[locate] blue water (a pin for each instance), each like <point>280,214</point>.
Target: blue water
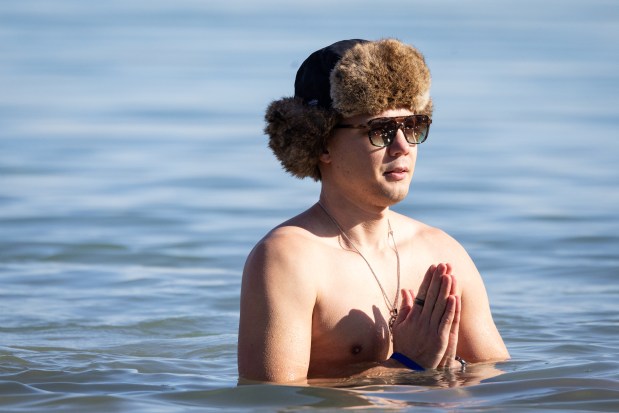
<point>135,178</point>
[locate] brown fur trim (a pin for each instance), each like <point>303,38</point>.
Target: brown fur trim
<point>298,134</point>
<point>376,76</point>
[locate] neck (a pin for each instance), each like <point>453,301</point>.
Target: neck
<point>366,226</point>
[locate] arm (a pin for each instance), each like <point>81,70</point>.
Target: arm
<point>277,302</point>
<point>479,340</point>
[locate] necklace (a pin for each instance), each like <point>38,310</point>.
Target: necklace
<point>393,309</point>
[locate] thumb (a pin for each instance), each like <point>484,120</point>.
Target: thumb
<point>405,307</point>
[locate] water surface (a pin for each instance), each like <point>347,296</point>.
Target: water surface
<point>135,178</point>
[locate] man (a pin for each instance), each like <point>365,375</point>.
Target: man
<point>350,287</point>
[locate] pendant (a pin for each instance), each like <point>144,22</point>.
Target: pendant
<point>393,315</point>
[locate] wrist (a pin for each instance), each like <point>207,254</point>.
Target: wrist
<point>406,361</point>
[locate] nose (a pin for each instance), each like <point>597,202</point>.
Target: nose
<point>400,145</point>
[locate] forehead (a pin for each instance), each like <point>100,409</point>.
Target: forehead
<point>360,119</point>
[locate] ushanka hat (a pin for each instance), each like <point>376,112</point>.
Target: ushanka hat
<point>347,78</point>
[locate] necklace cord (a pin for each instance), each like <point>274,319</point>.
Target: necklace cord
<point>393,309</point>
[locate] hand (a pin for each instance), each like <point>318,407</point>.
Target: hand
<point>427,331</point>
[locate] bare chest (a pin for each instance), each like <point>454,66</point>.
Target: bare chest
<point>350,319</point>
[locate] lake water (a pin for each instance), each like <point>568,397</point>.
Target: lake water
<point>135,178</point>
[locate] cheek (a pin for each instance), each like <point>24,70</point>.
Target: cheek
<point>351,160</point>
<point>348,167</point>
<point>413,155</point>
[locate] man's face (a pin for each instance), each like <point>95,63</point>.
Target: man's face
<point>378,175</point>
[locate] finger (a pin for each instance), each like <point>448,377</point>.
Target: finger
<point>455,327</point>
<point>447,320</point>
<point>448,268</point>
<point>433,292</point>
<point>405,307</point>
<point>454,285</point>
<point>452,347</point>
<point>448,271</point>
<point>456,323</point>
<point>441,301</point>
<point>444,332</point>
<point>425,284</point>
<point>423,290</point>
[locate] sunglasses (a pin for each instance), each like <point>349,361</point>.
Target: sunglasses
<point>382,131</point>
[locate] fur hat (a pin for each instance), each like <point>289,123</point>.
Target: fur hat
<point>347,78</point>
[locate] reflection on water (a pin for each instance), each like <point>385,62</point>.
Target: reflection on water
<point>134,179</point>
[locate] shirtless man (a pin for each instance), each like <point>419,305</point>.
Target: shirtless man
<point>321,291</point>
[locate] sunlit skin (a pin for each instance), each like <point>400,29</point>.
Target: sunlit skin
<point>310,306</point>
<point>381,176</point>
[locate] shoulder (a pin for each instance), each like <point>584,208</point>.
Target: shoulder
<point>284,259</point>
<point>431,245</point>
<point>287,244</point>
<point>425,236</point>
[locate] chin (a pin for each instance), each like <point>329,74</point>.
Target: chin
<point>395,196</point>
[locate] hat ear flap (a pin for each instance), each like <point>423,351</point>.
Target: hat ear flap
<point>298,134</point>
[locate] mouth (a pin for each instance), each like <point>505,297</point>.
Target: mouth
<point>397,170</point>
<point>397,173</point>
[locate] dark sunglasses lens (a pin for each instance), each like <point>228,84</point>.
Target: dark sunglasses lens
<point>382,132</point>
<point>416,129</point>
